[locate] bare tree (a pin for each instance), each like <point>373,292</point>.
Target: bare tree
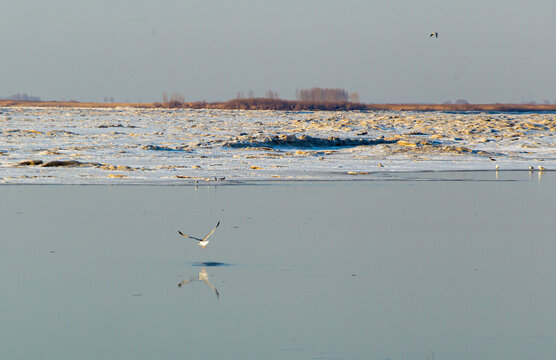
<point>176,97</point>
<point>24,97</point>
<point>176,100</point>
<point>272,95</point>
<point>354,97</point>
<point>321,95</point>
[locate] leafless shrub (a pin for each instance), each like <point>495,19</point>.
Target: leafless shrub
<point>23,97</point>
<point>272,95</point>
<point>176,100</point>
<point>354,97</point>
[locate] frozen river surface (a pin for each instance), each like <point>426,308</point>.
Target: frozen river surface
<point>161,146</point>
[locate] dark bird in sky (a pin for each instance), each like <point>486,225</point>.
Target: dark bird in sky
<point>434,34</point>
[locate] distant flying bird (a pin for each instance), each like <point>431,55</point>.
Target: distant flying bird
<point>434,34</point>
<point>204,241</point>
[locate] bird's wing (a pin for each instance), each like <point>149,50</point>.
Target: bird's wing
<point>191,237</point>
<point>211,232</point>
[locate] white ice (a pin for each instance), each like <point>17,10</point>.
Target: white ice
<point>161,146</point>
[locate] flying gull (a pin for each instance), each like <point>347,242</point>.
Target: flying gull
<point>434,34</point>
<point>204,241</point>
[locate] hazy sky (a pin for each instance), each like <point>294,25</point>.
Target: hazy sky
<point>487,51</point>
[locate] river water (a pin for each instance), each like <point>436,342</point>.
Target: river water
<point>455,265</point>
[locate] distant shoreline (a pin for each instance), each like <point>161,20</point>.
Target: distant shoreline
<point>291,105</point>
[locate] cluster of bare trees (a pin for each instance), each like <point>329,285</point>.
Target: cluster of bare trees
<point>175,99</point>
<point>320,95</point>
<point>272,95</point>
<point>23,97</point>
<point>315,95</point>
<point>280,104</point>
<point>307,99</point>
<point>251,95</point>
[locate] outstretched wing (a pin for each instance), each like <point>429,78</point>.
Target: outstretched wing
<point>211,232</point>
<point>191,237</point>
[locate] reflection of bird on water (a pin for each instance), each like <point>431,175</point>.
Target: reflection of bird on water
<point>204,241</point>
<point>203,276</point>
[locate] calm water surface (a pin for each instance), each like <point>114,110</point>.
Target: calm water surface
<point>442,266</point>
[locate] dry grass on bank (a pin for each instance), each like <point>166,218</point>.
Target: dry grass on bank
<point>73,104</point>
<point>464,107</point>
<point>291,105</point>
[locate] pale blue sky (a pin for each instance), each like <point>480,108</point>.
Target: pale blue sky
<point>487,51</point>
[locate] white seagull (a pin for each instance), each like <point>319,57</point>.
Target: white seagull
<point>204,241</point>
<point>434,34</point>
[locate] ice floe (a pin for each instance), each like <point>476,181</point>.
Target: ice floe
<point>159,146</point>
